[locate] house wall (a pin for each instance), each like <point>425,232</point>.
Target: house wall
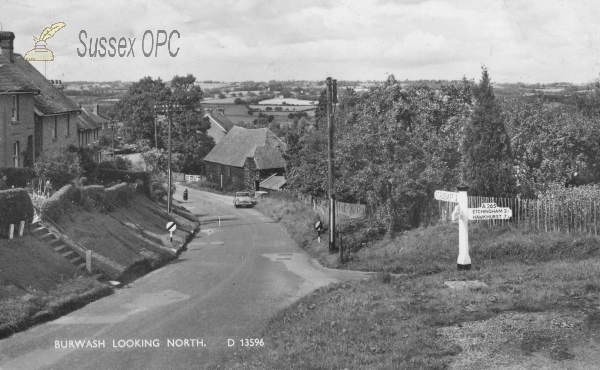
<point>10,131</point>
<point>86,137</point>
<point>62,140</point>
<point>232,176</point>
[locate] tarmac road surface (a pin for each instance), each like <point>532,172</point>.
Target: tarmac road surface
<point>223,289</point>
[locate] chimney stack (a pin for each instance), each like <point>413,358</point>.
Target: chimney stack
<point>58,85</point>
<point>6,44</point>
<point>96,109</point>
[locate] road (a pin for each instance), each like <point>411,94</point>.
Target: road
<point>226,286</point>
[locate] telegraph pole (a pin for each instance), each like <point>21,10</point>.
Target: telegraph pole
<point>168,109</point>
<point>331,101</point>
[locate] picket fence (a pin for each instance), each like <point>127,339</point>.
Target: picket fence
<point>178,176</point>
<point>560,215</point>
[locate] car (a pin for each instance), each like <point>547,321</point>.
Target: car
<point>242,199</point>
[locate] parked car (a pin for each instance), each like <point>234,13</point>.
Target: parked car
<point>242,199</point>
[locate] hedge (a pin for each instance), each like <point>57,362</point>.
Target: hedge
<point>15,206</point>
<point>118,194</point>
<point>19,177</point>
<point>58,202</point>
<point>108,176</point>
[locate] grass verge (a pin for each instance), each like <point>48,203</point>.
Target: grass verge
<point>394,321</point>
<point>19,313</point>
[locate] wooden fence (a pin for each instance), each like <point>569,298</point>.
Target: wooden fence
<point>179,176</point>
<point>561,215</point>
<point>346,209</point>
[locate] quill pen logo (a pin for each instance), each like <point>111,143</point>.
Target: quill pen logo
<point>40,53</point>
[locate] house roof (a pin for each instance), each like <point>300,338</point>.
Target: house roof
<point>95,117</point>
<point>273,182</point>
<point>240,143</point>
<point>21,76</point>
<point>85,121</point>
<point>221,120</point>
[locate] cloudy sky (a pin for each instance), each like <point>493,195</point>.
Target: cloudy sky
<point>234,40</point>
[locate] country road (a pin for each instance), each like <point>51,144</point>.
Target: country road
<point>226,286</point>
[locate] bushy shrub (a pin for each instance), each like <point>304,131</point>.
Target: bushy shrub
<point>92,197</point>
<point>15,206</point>
<point>107,165</point>
<point>119,194</point>
<point>17,177</point>
<point>122,163</point>
<point>58,203</point>
<point>59,168</point>
<point>109,177</point>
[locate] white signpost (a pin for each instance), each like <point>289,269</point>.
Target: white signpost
<point>489,211</point>
<point>462,213</point>
<point>171,226</point>
<point>446,196</point>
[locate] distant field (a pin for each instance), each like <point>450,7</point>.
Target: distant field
<point>290,101</point>
<point>228,100</point>
<point>291,108</point>
<point>212,86</point>
<point>551,90</point>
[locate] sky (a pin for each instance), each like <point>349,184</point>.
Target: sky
<point>224,40</point>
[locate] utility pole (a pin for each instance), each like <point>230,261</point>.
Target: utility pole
<point>155,133</point>
<point>112,126</point>
<point>168,109</point>
<point>331,101</point>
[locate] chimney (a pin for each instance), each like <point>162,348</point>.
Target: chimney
<point>221,109</point>
<point>58,85</point>
<point>96,109</point>
<point>6,44</point>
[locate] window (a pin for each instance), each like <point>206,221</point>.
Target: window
<point>55,129</point>
<point>15,107</point>
<point>68,125</point>
<point>16,151</point>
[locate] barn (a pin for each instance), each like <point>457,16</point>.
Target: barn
<point>245,157</point>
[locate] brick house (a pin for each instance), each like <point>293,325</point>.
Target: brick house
<point>88,132</point>
<point>245,157</point>
<point>35,116</point>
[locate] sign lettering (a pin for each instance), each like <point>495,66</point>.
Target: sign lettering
<point>446,196</point>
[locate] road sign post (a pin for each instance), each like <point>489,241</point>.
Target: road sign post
<point>171,226</point>
<point>464,260</point>
<point>462,213</point>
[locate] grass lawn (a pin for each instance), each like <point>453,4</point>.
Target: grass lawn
<point>400,319</point>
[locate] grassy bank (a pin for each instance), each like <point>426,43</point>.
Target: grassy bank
<point>403,321</point>
<point>21,312</point>
<point>37,284</point>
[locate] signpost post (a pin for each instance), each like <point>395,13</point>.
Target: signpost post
<point>462,213</point>
<point>319,228</point>
<point>464,261</point>
<point>171,226</point>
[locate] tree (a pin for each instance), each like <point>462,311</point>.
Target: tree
<point>487,158</point>
<point>189,138</point>
<point>59,168</point>
<point>222,96</point>
<point>136,108</point>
